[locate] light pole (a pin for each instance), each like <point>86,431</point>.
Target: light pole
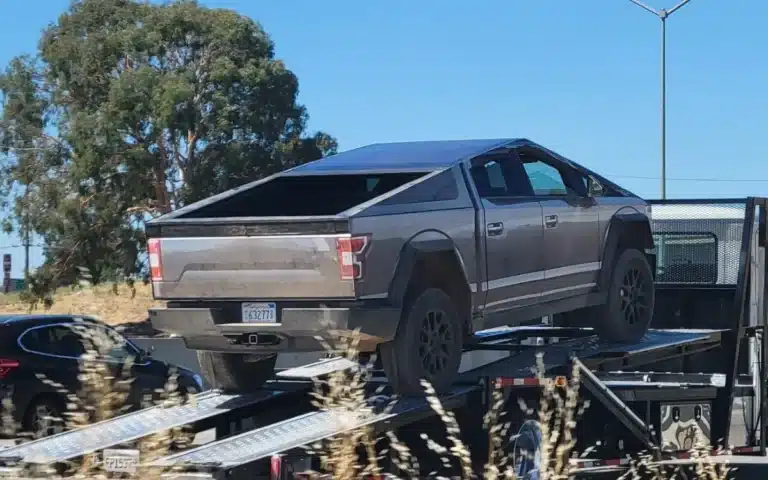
<point>663,14</point>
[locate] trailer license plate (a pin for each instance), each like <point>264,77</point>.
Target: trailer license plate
<point>259,313</point>
<point>125,461</point>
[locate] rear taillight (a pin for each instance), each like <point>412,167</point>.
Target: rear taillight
<point>351,252</point>
<point>155,259</point>
<point>7,366</point>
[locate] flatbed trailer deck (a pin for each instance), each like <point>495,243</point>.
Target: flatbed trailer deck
<point>638,403</point>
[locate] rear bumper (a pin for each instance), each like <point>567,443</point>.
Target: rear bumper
<point>300,329</point>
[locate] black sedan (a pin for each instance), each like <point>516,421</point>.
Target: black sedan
<point>41,358</point>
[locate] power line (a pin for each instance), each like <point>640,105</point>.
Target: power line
<point>694,179</point>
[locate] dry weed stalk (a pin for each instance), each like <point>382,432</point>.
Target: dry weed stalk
<point>458,449</point>
<point>705,465</point>
<point>343,396</point>
<point>160,444</point>
<point>498,460</point>
<point>103,394</point>
<point>557,418</point>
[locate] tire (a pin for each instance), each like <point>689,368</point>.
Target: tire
<point>625,319</point>
<point>433,314</point>
<point>236,373</point>
<point>45,416</point>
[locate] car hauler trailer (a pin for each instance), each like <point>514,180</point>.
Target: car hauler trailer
<point>705,350</point>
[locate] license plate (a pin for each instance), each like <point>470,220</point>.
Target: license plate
<point>259,313</point>
<point>123,461</point>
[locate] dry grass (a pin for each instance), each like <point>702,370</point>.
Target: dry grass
<point>358,452</point>
<point>354,454</point>
<point>113,304</point>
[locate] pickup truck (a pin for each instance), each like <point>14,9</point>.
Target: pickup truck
<point>411,247</point>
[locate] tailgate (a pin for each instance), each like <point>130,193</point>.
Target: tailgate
<point>268,267</point>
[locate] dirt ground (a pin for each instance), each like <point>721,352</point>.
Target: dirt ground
<point>101,302</point>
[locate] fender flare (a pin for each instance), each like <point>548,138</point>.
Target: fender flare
<point>630,228</point>
<point>436,242</point>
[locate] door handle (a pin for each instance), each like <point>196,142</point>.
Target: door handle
<point>495,228</point>
<point>550,221</point>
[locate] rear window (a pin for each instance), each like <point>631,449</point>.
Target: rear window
<point>305,196</point>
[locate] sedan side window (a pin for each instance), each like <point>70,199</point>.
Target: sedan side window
<point>73,340</point>
<point>108,343</point>
<point>57,340</point>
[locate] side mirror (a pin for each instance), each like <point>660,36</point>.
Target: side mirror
<point>594,188</point>
<point>143,355</point>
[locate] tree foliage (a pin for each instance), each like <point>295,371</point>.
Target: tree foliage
<point>132,109</point>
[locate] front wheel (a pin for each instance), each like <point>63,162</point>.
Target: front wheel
<point>237,373</point>
<point>45,416</point>
<point>627,313</point>
<point>428,345</point>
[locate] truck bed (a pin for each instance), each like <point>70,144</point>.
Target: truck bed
<point>283,238</point>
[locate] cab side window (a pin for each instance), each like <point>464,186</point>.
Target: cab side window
<point>548,180</point>
<point>501,176</point>
<point>545,179</point>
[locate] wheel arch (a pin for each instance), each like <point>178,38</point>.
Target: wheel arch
<point>627,229</point>
<point>431,259</point>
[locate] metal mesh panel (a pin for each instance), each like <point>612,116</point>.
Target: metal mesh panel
<point>698,243</point>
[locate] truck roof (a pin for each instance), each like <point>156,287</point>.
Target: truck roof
<point>402,156</point>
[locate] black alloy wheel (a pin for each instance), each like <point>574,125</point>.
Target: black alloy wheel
<point>634,296</point>
<point>435,342</point>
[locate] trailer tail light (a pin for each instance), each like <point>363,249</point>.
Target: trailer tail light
<point>276,467</point>
<point>7,366</point>
<point>155,259</point>
<point>351,252</point>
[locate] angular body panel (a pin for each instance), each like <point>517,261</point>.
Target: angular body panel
<point>510,230</point>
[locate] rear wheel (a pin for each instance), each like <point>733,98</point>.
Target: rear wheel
<point>428,345</point>
<point>232,372</point>
<point>627,313</point>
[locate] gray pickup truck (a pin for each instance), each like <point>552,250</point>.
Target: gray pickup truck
<point>412,245</point>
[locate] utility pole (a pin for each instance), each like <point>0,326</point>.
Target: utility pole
<point>26,240</point>
<point>663,14</point>
<point>26,254</point>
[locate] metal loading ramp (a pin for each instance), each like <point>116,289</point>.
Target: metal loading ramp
<point>127,428</point>
<point>308,428</point>
<point>656,344</point>
<point>301,431</point>
<point>241,450</point>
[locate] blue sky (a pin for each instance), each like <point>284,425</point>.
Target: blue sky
<point>581,77</point>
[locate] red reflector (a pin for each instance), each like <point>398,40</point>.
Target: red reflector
<point>6,365</point>
<point>155,259</point>
<point>276,467</point>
